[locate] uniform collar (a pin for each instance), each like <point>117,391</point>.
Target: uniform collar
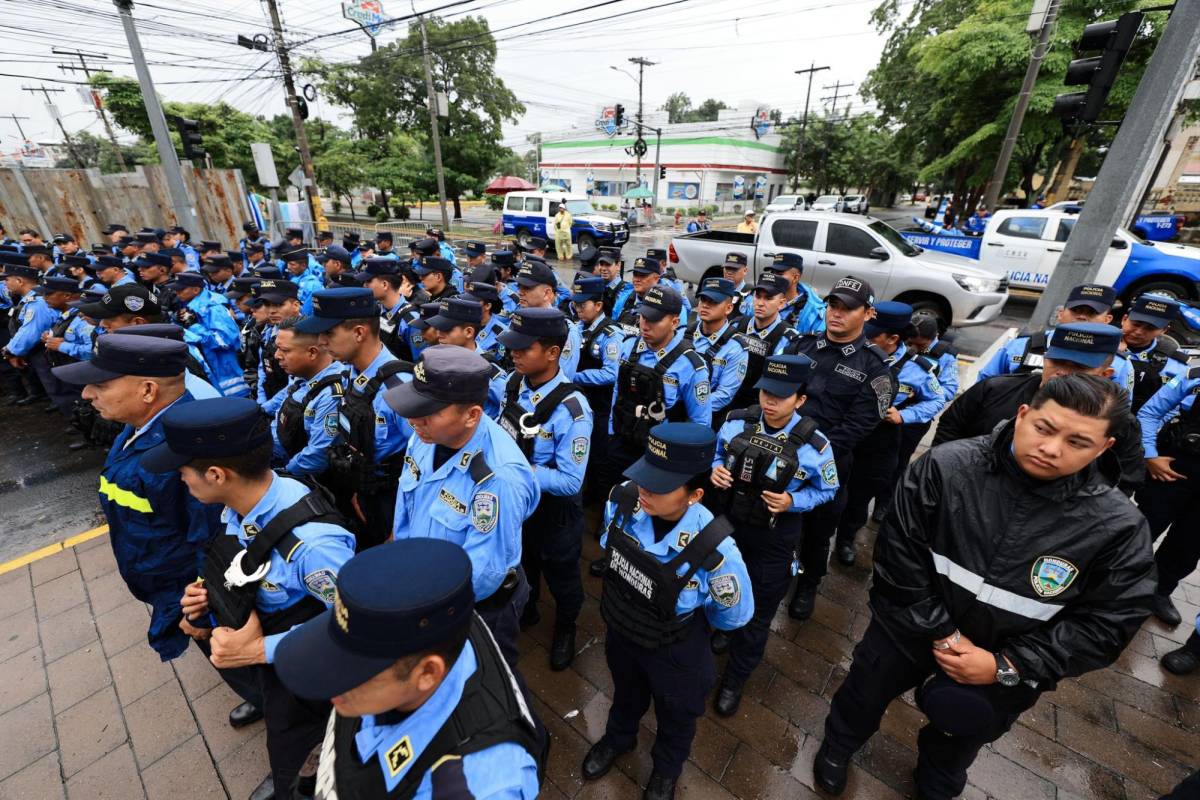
<point>782,433</point>
<point>598,321</point>
<point>676,338</point>
<point>1142,355</point>
<point>414,733</point>
<point>700,334</point>
<point>334,366</point>
<point>382,358</point>
<point>753,330</point>
<point>255,519</point>
<point>461,461</point>
<point>684,531</point>
<point>151,433</point>
<point>546,388</point>
<point>896,356</point>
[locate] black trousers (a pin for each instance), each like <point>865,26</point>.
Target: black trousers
<point>677,677</point>
<point>879,673</point>
<point>1188,789</point>
<point>594,488</point>
<point>874,466</point>
<point>768,554</point>
<point>910,437</point>
<point>294,727</point>
<point>379,509</point>
<point>244,681</point>
<point>63,395</point>
<point>504,618</point>
<point>551,543</point>
<point>819,527</point>
<point>618,457</point>
<point>1175,506</point>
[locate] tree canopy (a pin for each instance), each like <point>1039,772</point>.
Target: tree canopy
<point>679,109</point>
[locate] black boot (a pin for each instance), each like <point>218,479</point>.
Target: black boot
<point>265,790</point>
<point>562,649</point>
<point>845,552</point>
<point>659,788</point>
<point>829,773</point>
<point>599,759</point>
<point>720,642</point>
<point>1165,610</point>
<point>244,714</point>
<point>728,698</point>
<point>803,602</point>
<point>1184,660</point>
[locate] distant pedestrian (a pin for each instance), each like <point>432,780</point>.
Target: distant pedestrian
<point>748,225</point>
<point>950,216</point>
<point>700,223</point>
<point>562,233</point>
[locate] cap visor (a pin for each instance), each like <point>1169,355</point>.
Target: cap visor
<point>650,313</point>
<point>777,387</point>
<point>363,277</point>
<point>716,297</point>
<point>528,283</point>
<point>161,458</point>
<point>1092,360</point>
<point>579,298</point>
<point>655,479</point>
<point>848,300</point>
<point>445,324</point>
<point>98,310</point>
<point>515,340</point>
<point>1157,322</point>
<point>406,401</point>
<point>81,373</point>
<point>316,324</point>
<point>871,330</point>
<point>235,294</point>
<point>274,297</point>
<point>314,665</point>
<point>1095,305</point>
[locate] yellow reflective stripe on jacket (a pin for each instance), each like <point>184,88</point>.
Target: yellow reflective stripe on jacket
<point>124,497</point>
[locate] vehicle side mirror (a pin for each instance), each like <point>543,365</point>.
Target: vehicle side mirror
<point>879,254</point>
<point>1119,244</point>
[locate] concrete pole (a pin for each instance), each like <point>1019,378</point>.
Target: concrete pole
<point>433,127</point>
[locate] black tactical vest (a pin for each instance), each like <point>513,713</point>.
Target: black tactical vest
<point>1034,356</point>
<point>525,426</point>
<point>492,711</point>
<point>758,349</point>
<point>751,457</point>
<point>1147,374</point>
<point>274,378</point>
<point>641,395</point>
<point>353,456</point>
<point>58,331</point>
<point>390,333</point>
<point>611,293</point>
<point>640,592</point>
<point>251,336</point>
<point>289,424</point>
<point>590,356</point>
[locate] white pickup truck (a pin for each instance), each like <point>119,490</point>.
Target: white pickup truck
<point>832,246</point>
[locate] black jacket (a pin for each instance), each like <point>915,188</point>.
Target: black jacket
<point>962,547</point>
<point>977,412</point>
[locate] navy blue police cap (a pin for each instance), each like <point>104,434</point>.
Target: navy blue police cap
<point>783,376</point>
<point>435,264</point>
<point>37,249</point>
<point>735,260</point>
<point>118,355</point>
<point>251,247</point>
<point>333,306</point>
<point>20,271</point>
<point>483,291</point>
<point>389,604</point>
<point>425,247</point>
<point>217,263</point>
<point>609,255</point>
<point>275,291</point>
<point>1092,295</point>
<point>185,280</point>
<point>657,252</point>
<point>427,311</point>
<point>335,253</point>
<point>475,249</point>
<point>772,283</point>
<point>852,292</point>
<point>217,427</point>
<point>62,283</point>
<point>178,229</point>
<point>957,709</point>
<point>127,241</point>
<point>155,330</point>
<point>175,252</point>
<point>659,302</point>
<point>249,226</point>
<point>533,258</point>
<point>92,294</point>
<point>383,236</point>
<point>1087,343</point>
<point>366,247</point>
<point>785,261</point>
<point>675,453</point>
<point>527,325</point>
<point>435,233</point>
<point>588,289</point>
<point>536,273</point>
<point>503,258</point>
<point>108,262</point>
<point>484,273</point>
<point>890,317</point>
<point>588,256</point>
<point>456,311</point>
<point>717,289</point>
<point>147,237</point>
<point>232,255</point>
<point>13,257</point>
<point>647,266</point>
<point>128,298</point>
<point>76,261</point>
<point>208,247</point>
<point>375,265</point>
<point>245,284</point>
<point>269,272</point>
<point>296,254</point>
<point>113,227</point>
<point>293,233</point>
<point>346,279</point>
<point>1154,309</point>
<point>537,243</point>
<point>61,238</point>
<point>444,375</point>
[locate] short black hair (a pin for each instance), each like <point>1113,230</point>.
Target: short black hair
<point>28,232</point>
<point>392,279</point>
<point>370,323</point>
<point>700,481</point>
<point>449,649</point>
<point>253,463</point>
<point>150,318</point>
<point>290,324</point>
<point>553,341</point>
<point>1089,395</point>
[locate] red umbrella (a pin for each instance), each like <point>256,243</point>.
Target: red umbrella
<point>508,183</point>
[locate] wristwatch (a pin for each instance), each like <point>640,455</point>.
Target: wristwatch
<point>1005,674</point>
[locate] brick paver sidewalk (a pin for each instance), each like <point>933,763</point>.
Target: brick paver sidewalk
<point>88,711</point>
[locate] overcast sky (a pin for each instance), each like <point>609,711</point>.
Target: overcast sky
<point>729,50</point>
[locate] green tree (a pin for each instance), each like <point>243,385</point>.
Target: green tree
<point>679,109</point>
<point>341,168</point>
<point>97,151</point>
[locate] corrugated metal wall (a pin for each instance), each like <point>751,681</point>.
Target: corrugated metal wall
<point>83,202</point>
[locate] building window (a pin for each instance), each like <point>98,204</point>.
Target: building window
<point>724,191</point>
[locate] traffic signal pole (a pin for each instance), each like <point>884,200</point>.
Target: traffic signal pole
<point>1131,159</point>
<point>185,214</point>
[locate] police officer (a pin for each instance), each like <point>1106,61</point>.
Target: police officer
<point>538,288</point>
<point>420,334</point>
<point>255,257</point>
<point>1170,424</point>
<point>208,325</point>
<point>111,271</point>
<point>436,277</point>
<point>723,348</point>
<point>368,454</point>
<point>599,358</point>
<point>466,481</point>
<point>31,317</point>
<point>296,261</point>
<point>550,420</point>
<point>279,300</point>
<point>671,568</point>
<point>804,311</point>
<point>66,340</point>
<point>763,332</point>
<point>158,532</point>
<point>734,270</point>
<point>1087,347</point>
<point>1005,567</point>
<point>424,704</point>
<point>306,412</point>
<point>456,322</point>
<point>381,277</point>
<point>491,324</point>
<point>849,393</point>
<point>917,398</point>
<point>618,292</point>
<point>335,261</point>
<point>771,466</point>
<point>384,243</point>
<point>274,565</point>
<point>195,378</point>
<point>1155,359</point>
<point>219,272</point>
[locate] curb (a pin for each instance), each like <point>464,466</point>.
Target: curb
<point>51,549</point>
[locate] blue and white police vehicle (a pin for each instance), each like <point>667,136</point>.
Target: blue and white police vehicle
<point>529,214</point>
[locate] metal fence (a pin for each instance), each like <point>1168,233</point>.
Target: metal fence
<point>83,202</point>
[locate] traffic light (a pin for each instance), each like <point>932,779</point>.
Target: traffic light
<point>189,136</point>
<point>619,117</point>
<point>662,173</point>
<point>1113,38</point>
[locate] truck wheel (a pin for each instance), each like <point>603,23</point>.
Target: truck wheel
<point>1176,290</point>
<point>523,238</point>
<point>586,240</point>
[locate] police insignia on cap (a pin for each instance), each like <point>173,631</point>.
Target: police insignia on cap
<point>1051,576</point>
<point>419,372</point>
<point>1079,337</point>
<point>848,283</point>
<point>656,447</point>
<point>340,614</point>
<point>640,262</point>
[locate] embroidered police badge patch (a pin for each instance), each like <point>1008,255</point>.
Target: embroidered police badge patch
<point>399,755</point>
<point>702,392</point>
<point>725,590</point>
<point>1051,576</point>
<point>331,423</point>
<point>829,473</point>
<point>579,449</point>
<point>485,511</point>
<point>322,584</point>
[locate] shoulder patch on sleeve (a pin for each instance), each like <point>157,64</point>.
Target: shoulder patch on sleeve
<point>485,511</point>
<point>322,584</point>
<point>725,590</point>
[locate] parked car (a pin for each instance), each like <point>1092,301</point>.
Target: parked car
<point>955,290</point>
<point>855,204</point>
<point>827,202</point>
<point>785,202</point>
<point>529,214</point>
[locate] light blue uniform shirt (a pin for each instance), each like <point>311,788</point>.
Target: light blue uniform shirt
<point>1170,368</point>
<point>606,348</point>
<point>320,423</point>
<point>486,341</point>
<point>483,517</point>
<point>947,371</point>
<point>200,388</point>
<point>727,365</point>
<point>810,318</point>
<point>77,338</point>
<point>36,318</point>
<point>312,568</point>
<point>392,431</point>
<point>816,480</point>
<point>1175,397</point>
<point>919,396</point>
<point>681,383</point>
<point>727,609</point>
<point>568,362</point>
<point>500,772</point>
<point>560,451</point>
<point>307,283</point>
<point>1008,359</point>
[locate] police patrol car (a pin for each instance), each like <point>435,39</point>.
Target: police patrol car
<point>529,214</point>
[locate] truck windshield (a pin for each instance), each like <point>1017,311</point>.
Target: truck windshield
<point>577,207</point>
<point>893,237</point>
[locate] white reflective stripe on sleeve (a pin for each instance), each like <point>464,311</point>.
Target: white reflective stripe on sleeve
<point>993,595</point>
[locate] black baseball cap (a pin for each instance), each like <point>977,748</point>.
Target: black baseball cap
<point>852,291</point>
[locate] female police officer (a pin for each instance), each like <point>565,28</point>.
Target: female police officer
<point>668,559</point>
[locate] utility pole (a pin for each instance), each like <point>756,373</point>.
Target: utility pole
<point>642,63</point>
<point>185,215</point>
<point>87,72</point>
<point>433,125</point>
<point>1130,162</point>
<point>813,68</point>
<point>992,196</point>
<point>17,121</point>
<point>289,85</point>
<point>837,94</point>
<point>53,109</point>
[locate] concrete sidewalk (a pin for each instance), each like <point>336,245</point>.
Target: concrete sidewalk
<point>87,710</point>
